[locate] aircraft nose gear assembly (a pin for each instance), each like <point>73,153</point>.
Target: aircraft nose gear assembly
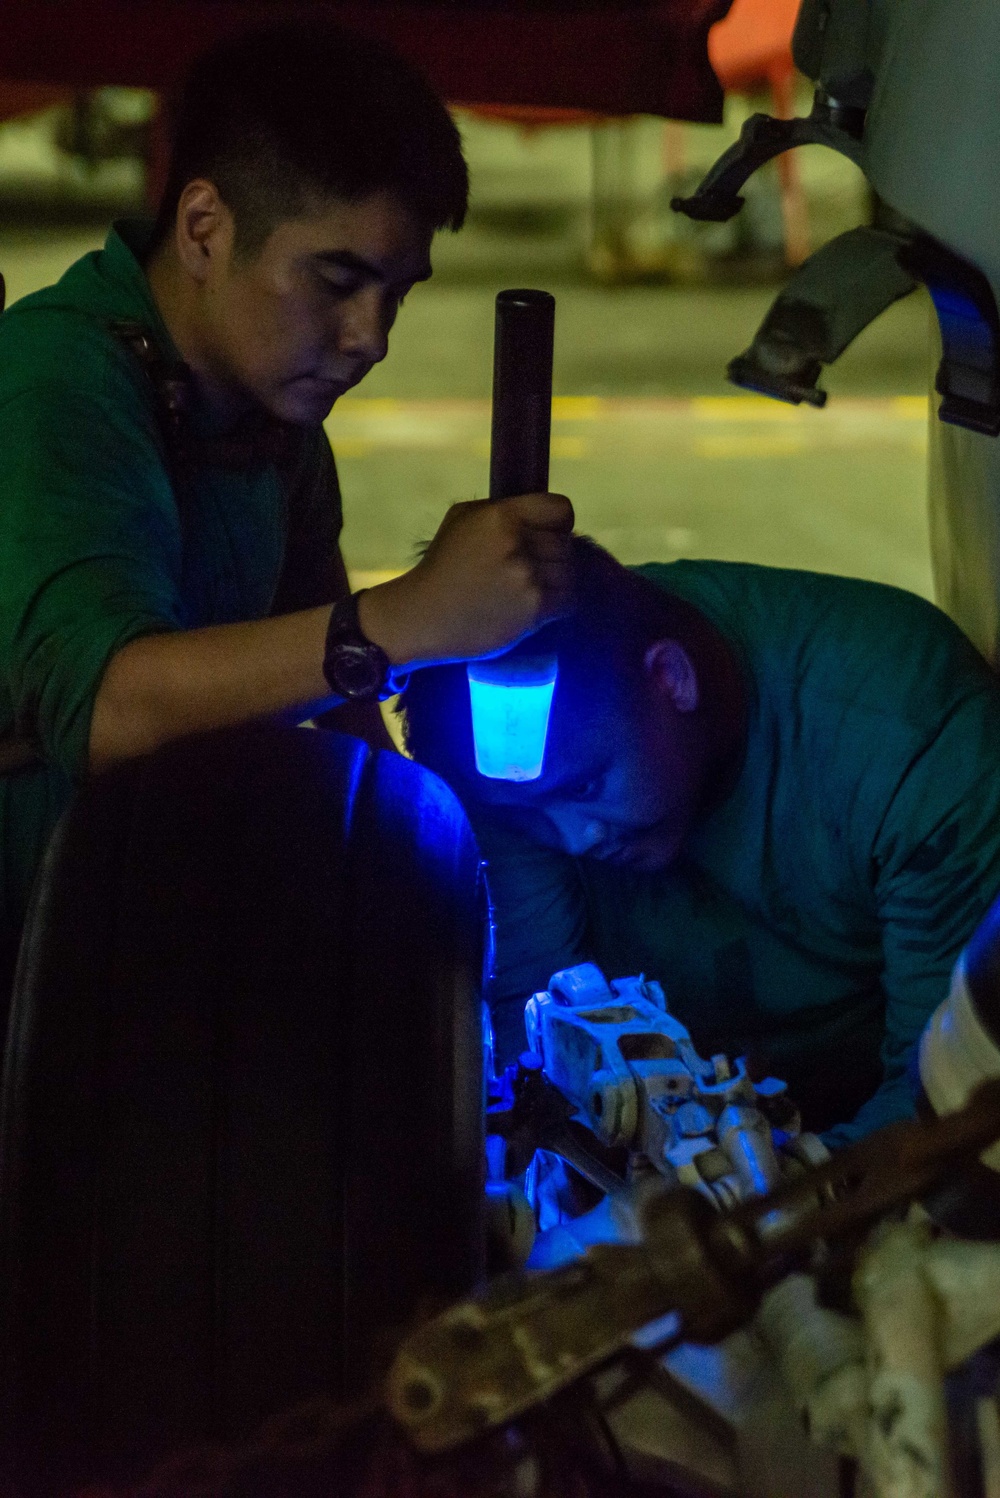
<point>753,1316</point>
<point>612,1082</point>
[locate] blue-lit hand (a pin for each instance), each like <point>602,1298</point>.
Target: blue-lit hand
<point>495,571</point>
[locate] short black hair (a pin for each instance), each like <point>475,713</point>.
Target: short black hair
<point>601,646</point>
<point>281,117</point>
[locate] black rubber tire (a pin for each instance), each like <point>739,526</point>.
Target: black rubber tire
<point>241,1121</point>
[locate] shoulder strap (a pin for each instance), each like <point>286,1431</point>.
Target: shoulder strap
<point>267,441</point>
<point>170,380</point>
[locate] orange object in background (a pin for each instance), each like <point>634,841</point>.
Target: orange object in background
<point>750,49</point>
<point>753,42</point>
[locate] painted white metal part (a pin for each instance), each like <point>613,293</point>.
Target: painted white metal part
<point>957,1053</point>
<point>631,1070</point>
<point>931,141</point>
<point>907,1418</point>
<point>719,1421</point>
<point>821,1357</point>
<point>869,1386</point>
<point>716,1420</point>
<point>872,1387</point>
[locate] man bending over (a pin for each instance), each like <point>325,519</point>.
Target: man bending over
<point>776,792</point>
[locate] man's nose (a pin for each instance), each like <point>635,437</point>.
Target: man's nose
<point>577,833</point>
<point>363,326</point>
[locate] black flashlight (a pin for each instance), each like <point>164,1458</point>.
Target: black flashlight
<point>522,393</point>
<point>511,695</point>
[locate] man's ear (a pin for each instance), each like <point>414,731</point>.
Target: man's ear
<point>204,229</point>
<point>671,672</point>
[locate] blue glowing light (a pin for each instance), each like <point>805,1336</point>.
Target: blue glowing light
<point>511,701</point>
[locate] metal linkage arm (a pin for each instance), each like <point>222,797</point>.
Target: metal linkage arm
<point>487,1360</point>
<point>761,139</point>
<point>835,294</point>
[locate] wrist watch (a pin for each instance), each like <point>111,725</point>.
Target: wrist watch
<point>354,666</point>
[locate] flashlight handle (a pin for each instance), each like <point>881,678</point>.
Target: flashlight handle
<point>522,393</point>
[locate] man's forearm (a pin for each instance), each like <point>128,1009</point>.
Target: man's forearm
<point>165,686</point>
<point>494,572</point>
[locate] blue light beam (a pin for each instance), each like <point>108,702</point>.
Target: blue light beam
<point>511,702</point>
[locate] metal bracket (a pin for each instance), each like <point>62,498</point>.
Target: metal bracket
<point>761,139</point>
<point>844,286</point>
<point>836,293</point>
<point>522,1339</point>
<point>968,377</point>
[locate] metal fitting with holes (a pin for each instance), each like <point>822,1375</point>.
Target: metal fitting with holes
<point>630,1070</point>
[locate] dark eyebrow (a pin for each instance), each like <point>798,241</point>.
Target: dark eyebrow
<point>347,260</point>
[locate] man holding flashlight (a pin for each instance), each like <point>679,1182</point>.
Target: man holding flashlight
<point>777,793</point>
<point>170,519</point>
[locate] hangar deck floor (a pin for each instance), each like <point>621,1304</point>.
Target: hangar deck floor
<point>655,478</point>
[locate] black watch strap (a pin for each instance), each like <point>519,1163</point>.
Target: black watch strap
<point>354,666</point>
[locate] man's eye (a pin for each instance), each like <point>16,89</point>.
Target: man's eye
<point>338,288</point>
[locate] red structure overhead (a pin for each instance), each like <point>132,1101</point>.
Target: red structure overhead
<point>629,57</point>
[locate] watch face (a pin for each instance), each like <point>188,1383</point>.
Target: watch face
<point>356,669</point>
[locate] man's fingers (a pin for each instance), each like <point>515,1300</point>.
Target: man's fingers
<point>555,585</point>
<point>546,546</point>
<point>495,571</point>
<point>545,511</point>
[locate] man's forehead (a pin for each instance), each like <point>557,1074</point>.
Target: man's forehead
<point>377,235</point>
<point>414,266</point>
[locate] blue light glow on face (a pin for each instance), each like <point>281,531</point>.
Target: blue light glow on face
<point>511,702</point>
